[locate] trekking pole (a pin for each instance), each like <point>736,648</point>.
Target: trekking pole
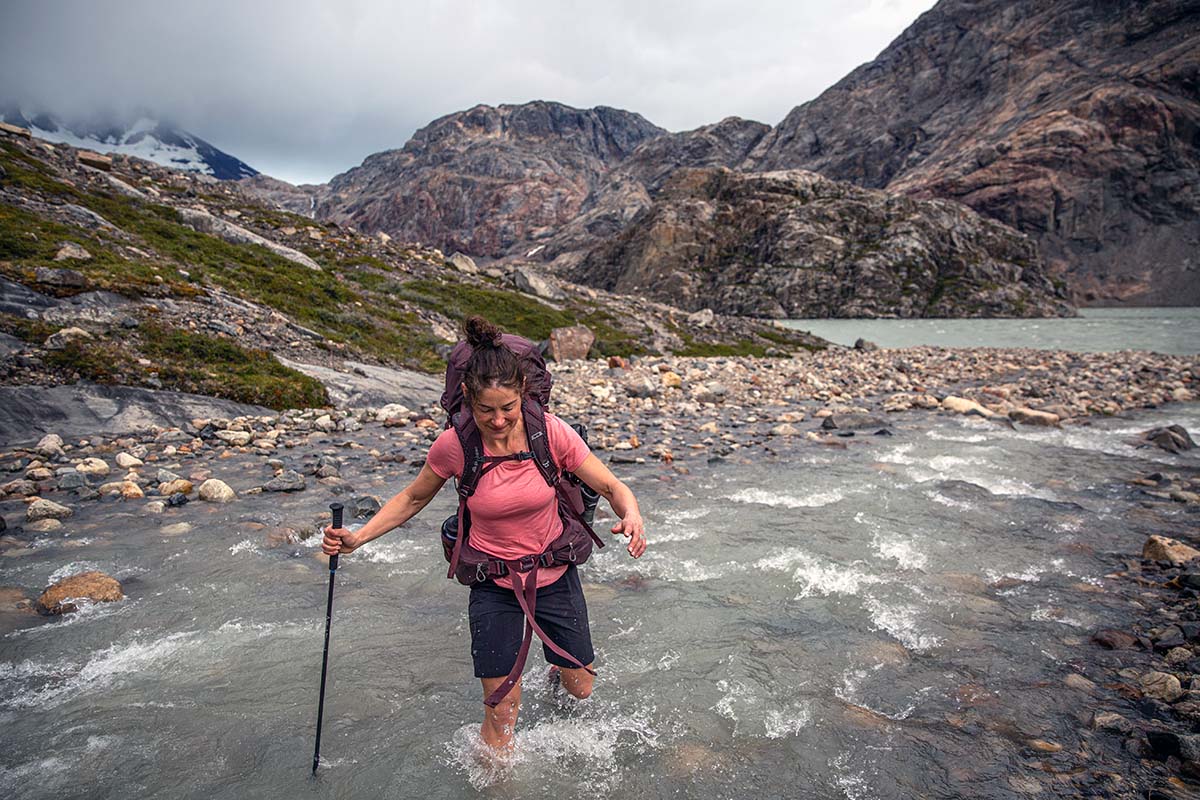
<point>336,508</point>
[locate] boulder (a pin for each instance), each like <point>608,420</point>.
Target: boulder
<point>63,597</point>
<point>46,509</point>
<point>70,250</point>
<point>60,340</point>
<point>530,282</point>
<point>865,345</point>
<point>126,461</point>
<point>1030,417</point>
<point>961,405</point>
<point>1172,438</point>
<point>702,318</point>
<point>50,445</point>
<point>463,263</point>
<point>65,278</point>
<point>94,160</point>
<point>287,481</point>
<point>216,491</point>
<point>93,467</point>
<point>1161,686</point>
<point>1162,548</point>
<point>205,222</point>
<point>568,344</point>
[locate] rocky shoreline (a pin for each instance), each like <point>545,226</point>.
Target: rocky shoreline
<point>676,411</point>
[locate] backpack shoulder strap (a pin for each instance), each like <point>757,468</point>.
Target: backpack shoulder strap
<point>539,441</point>
<point>472,449</point>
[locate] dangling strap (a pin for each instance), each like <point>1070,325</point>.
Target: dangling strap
<point>525,588</point>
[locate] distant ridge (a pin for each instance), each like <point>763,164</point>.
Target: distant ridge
<point>143,136</point>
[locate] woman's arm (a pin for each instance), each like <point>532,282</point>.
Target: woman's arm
<point>599,477</point>
<point>395,512</point>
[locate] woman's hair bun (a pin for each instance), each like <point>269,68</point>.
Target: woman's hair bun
<point>481,333</point>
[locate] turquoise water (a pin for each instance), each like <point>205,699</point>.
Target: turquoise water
<point>1163,330</point>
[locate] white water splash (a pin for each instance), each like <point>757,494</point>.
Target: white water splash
<point>817,577</point>
<point>900,622</point>
<point>777,499</point>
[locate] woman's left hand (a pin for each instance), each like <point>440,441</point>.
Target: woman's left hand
<point>633,527</point>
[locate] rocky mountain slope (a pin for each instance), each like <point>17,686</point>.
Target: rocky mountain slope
<point>486,180</point>
<point>795,244</point>
<point>1074,121</point>
<point>128,273</point>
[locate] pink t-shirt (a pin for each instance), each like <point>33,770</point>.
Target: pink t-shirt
<point>513,512</point>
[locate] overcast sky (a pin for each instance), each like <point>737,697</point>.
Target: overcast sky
<point>303,90</point>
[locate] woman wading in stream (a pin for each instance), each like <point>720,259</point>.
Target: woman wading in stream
<point>523,538</point>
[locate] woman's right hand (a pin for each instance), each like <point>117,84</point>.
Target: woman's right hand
<point>339,541</point>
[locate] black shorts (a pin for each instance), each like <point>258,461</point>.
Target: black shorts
<point>498,624</point>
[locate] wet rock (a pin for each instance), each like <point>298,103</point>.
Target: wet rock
<point>1077,681</point>
<point>93,467</point>
<point>19,487</point>
<point>1178,655</point>
<point>126,461</point>
<point>1161,548</point>
<point>216,491</point>
<point>166,476</point>
<point>961,405</point>
<point>1028,416</point>
<point>63,597</point>
<point>72,480</point>
<point>177,486</point>
<point>175,528</point>
<point>156,507</point>
<point>50,446</point>
<point>176,500</point>
<point>1161,686</point>
<point>287,481</point>
<point>1111,721</point>
<point>366,506</point>
<point>48,525</point>
<point>46,509</point>
<point>1172,438</point>
<point>235,438</point>
<point>39,473</point>
<point>1115,640</point>
<point>131,491</point>
<point>785,429</point>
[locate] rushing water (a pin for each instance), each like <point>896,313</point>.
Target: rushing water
<point>893,619</point>
<point>1162,330</point>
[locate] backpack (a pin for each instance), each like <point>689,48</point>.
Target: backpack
<point>576,501</point>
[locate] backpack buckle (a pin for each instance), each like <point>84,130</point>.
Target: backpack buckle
<point>526,563</point>
<point>546,559</point>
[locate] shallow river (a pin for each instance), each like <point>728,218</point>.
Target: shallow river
<point>889,620</point>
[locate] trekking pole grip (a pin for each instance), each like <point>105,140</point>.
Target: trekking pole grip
<point>336,508</point>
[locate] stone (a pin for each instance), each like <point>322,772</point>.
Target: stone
<point>93,467</point>
<point>711,392</point>
<point>156,507</point>
<point>865,345</point>
<point>366,506</point>
<point>64,337</point>
<point>235,438</point>
<point>50,445</point>
<point>178,486</point>
<point>64,278</point>
<point>94,160</point>
<point>1178,655</point>
<point>63,597</point>
<point>70,250</point>
<point>39,474</point>
<point>671,380</point>
<point>642,387</point>
<point>324,423</point>
<point>531,282</point>
<point>131,491</point>
<point>72,480</point>
<point>1162,548</point>
<point>785,429</point>
<point>961,405</point>
<point>1111,721</point>
<point>216,491</point>
<point>463,263</point>
<point>1161,686</point>
<point>568,344</point>
<point>1115,640</point>
<point>1030,417</point>
<point>44,526</point>
<point>126,461</point>
<point>1172,438</point>
<point>1077,681</point>
<point>287,481</point>
<point>46,509</point>
<point>21,488</point>
<point>16,130</point>
<point>205,222</point>
<point>175,529</point>
<point>702,318</point>
<point>393,411</point>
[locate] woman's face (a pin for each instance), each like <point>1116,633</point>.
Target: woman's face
<point>496,410</point>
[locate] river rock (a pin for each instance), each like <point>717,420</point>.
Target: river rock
<point>961,405</point>
<point>72,480</point>
<point>1030,417</point>
<point>62,597</point>
<point>46,509</point>
<point>175,528</point>
<point>235,438</point>
<point>1172,438</point>
<point>864,344</point>
<point>567,344</point>
<point>1111,721</point>
<point>1161,548</point>
<point>50,446</point>
<point>48,525</point>
<point>288,481</point>
<point>1115,640</point>
<point>216,491</point>
<point>1077,681</point>
<point>22,487</point>
<point>93,467</point>
<point>131,491</point>
<point>126,461</point>
<point>1161,686</point>
<point>785,429</point>
<point>393,411</point>
<point>39,473</point>
<point>177,486</point>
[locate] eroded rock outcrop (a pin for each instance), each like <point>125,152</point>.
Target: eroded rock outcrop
<point>795,244</point>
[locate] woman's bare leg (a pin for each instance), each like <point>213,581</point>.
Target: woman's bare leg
<point>577,682</point>
<point>500,722</point>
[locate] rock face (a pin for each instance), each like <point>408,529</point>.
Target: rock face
<point>795,244</point>
<point>1070,120</point>
<point>483,180</point>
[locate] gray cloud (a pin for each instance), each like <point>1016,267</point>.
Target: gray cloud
<point>305,89</point>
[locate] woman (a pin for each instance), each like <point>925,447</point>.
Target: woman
<point>514,513</point>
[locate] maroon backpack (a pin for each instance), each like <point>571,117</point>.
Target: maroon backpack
<point>573,546</point>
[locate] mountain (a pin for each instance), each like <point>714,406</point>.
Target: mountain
<point>143,137</point>
<point>487,179</point>
<point>795,244</point>
<point>1075,121</point>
